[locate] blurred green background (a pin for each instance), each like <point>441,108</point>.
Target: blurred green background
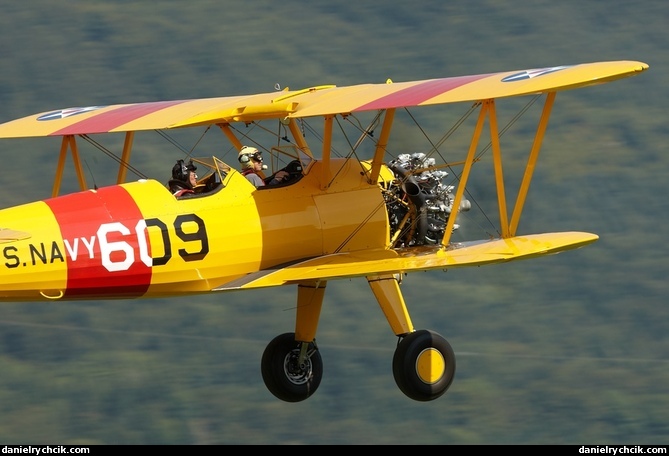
<point>569,349</point>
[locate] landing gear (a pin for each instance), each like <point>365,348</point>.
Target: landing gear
<point>291,370</point>
<point>424,365</point>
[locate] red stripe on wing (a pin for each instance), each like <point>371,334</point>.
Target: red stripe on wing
<point>417,94</point>
<point>107,121</point>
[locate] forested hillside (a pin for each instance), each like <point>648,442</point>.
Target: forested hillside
<point>569,349</point>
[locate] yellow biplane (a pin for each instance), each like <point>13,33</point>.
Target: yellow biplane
<point>333,216</point>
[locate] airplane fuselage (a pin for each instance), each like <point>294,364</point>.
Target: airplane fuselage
<point>137,240</point>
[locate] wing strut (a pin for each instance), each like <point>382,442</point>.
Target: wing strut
<point>499,175</point>
<point>531,163</point>
<point>225,128</point>
<point>327,148</point>
<point>125,158</point>
<point>299,137</point>
<point>68,142</point>
<point>381,145</point>
<point>488,109</point>
<point>469,161</point>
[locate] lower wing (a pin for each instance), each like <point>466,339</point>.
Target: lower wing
<point>382,261</point>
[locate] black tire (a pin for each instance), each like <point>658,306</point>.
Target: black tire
<point>424,365</point>
<point>281,374</point>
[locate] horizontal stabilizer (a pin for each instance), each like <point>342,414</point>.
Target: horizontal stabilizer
<point>7,235</point>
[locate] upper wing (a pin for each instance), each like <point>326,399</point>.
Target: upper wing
<point>379,262</point>
<point>316,101</point>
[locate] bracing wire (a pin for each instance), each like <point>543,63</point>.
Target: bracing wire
<point>111,155</point>
<point>435,146</point>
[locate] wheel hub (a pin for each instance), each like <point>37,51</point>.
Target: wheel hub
<point>298,373</point>
<point>430,366</point>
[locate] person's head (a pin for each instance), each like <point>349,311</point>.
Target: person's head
<point>250,158</point>
<point>185,172</point>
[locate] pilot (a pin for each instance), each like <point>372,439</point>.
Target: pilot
<point>252,166</point>
<point>184,179</point>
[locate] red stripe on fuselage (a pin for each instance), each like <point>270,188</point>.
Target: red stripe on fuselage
<point>107,121</point>
<point>415,95</point>
<point>80,217</point>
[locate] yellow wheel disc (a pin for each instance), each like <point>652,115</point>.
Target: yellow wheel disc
<point>430,366</point>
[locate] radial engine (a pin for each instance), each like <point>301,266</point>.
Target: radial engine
<point>418,202</point>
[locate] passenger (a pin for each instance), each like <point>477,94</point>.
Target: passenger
<point>184,179</point>
<point>252,166</point>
